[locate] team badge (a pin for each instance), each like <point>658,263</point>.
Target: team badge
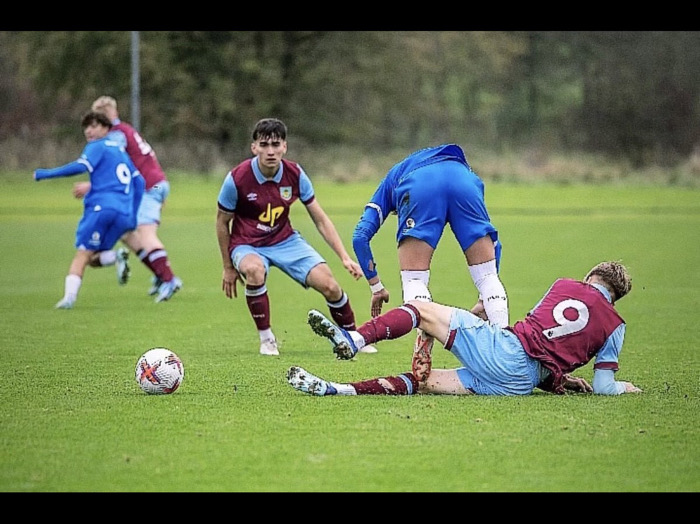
<point>286,192</point>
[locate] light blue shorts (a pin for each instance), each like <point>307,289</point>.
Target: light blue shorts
<point>294,256</point>
<point>494,360</point>
<point>152,203</point>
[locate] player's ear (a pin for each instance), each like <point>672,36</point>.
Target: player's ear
<point>254,148</point>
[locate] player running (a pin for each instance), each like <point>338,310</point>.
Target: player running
<point>110,207</point>
<point>144,242</point>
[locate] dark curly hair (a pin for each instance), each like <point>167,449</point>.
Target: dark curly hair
<point>615,277</point>
<point>94,116</point>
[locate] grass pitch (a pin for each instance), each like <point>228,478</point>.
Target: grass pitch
<point>72,418</point>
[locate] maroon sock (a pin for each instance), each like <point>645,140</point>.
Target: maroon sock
<point>259,305</point>
<point>393,324</point>
<point>159,264</point>
<point>404,384</point>
<point>343,316</point>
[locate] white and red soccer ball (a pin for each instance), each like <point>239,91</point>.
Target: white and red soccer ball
<point>159,371</point>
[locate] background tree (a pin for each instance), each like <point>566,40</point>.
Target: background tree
<point>629,95</point>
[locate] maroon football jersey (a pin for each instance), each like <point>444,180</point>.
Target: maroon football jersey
<point>141,154</point>
<point>262,210</point>
<point>568,328</point>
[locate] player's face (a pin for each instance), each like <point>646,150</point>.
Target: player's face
<point>269,151</point>
<point>95,131</point>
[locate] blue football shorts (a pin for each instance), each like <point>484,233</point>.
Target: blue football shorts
<point>99,229</point>
<point>294,256</point>
<point>494,360</point>
<point>438,194</point>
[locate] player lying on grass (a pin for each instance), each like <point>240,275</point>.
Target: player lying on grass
<point>574,322</point>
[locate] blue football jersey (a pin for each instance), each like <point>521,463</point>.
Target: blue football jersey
<point>111,172</point>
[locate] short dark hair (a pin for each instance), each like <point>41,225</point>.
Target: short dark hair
<point>95,116</point>
<point>615,277</point>
<point>270,128</point>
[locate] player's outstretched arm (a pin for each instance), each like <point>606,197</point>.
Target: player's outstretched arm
<point>330,234</point>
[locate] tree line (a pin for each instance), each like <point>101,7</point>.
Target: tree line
<point>626,94</point>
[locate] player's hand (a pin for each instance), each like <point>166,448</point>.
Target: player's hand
<point>378,299</point>
<point>229,280</point>
<point>353,268</point>
<point>80,189</point>
<point>479,310</point>
<point>631,388</point>
<point>576,384</point>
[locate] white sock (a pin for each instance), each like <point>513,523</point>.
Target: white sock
<point>72,287</point>
<point>491,291</point>
<point>358,339</point>
<point>415,285</point>
<point>266,334</point>
<point>343,389</point>
<point>108,258</point>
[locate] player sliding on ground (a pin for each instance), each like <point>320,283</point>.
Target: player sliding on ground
<point>574,322</point>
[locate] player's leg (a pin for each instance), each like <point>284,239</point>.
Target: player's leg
<point>111,257</point>
<point>477,236</point>
<point>149,247</point>
<point>422,219</point>
<point>444,382</point>
<point>121,260</point>
<point>483,267</point>
<point>134,240</point>
<point>441,382</point>
<point>302,380</point>
<point>342,342</point>
<point>431,317</point>
<point>414,260</point>
<point>253,268</point>
<point>322,280</point>
<point>74,279</point>
<point>145,243</point>
<point>422,361</point>
<point>99,230</point>
<point>298,259</point>
<point>156,257</point>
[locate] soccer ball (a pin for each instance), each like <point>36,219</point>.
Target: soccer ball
<point>159,371</point>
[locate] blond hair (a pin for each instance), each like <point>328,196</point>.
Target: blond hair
<point>104,102</point>
<point>614,276</point>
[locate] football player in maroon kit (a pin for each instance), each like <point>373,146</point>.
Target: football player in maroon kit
<point>573,323</point>
<point>144,241</point>
<point>254,233</point>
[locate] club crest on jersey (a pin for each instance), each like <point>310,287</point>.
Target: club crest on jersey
<point>410,224</point>
<point>286,192</point>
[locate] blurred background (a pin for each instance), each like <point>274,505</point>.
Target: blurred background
<point>556,106</point>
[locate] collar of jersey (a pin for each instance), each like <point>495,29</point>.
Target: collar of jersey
<point>260,177</point>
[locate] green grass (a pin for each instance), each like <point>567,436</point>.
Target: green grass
<point>73,419</point>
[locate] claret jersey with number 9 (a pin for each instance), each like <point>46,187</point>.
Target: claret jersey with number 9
<point>568,327</point>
